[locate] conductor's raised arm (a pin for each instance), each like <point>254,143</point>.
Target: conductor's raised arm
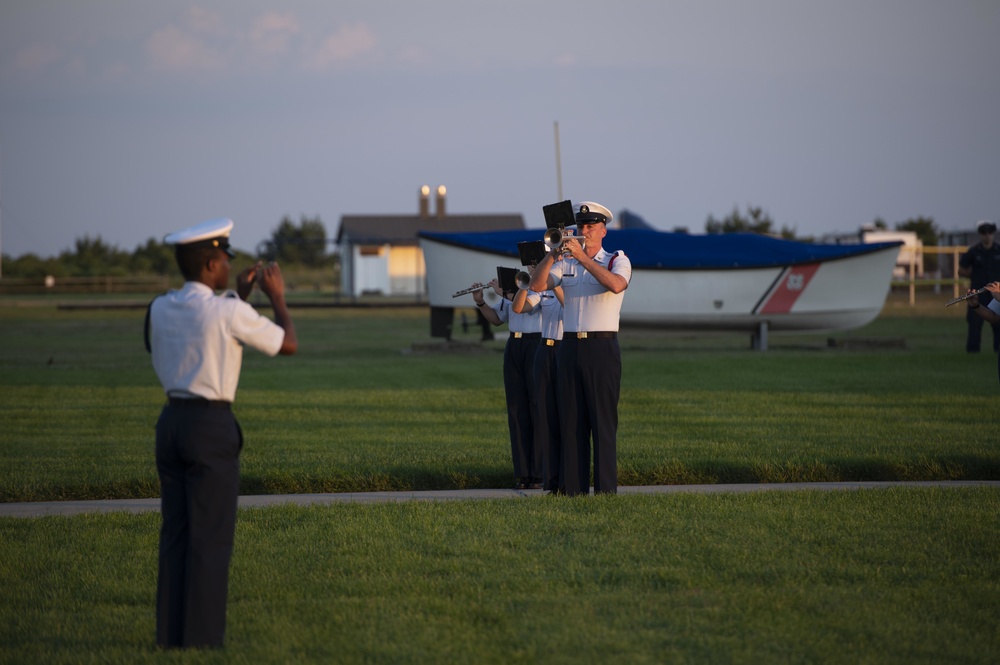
<point>273,285</point>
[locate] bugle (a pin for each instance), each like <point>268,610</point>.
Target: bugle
<point>555,237</point>
<point>471,289</point>
<point>965,297</point>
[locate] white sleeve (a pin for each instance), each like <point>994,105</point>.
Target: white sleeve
<point>622,266</point>
<point>556,272</point>
<point>502,309</point>
<point>255,330</point>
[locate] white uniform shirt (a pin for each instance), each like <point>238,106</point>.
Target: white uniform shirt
<point>525,322</point>
<point>589,305</point>
<point>552,312</point>
<point>197,341</point>
<point>994,306</point>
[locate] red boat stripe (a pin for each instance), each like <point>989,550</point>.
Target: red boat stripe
<point>789,288</point>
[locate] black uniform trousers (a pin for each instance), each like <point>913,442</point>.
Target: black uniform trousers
<point>589,383</point>
<point>547,438</point>
<point>197,456</point>
<point>518,362</point>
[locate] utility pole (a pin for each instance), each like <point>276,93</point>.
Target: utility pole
<point>558,164</point>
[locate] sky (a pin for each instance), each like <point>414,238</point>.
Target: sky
<point>126,120</point>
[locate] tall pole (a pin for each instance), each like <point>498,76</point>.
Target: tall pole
<point>558,164</point>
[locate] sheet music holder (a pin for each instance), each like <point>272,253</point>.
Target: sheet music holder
<point>506,277</point>
<point>559,215</point>
<point>531,252</point>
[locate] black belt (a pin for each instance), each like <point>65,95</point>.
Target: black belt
<point>519,335</point>
<point>550,342</point>
<point>200,401</point>
<point>593,335</point>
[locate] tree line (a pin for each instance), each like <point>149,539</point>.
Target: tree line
<point>303,244</point>
<point>757,221</point>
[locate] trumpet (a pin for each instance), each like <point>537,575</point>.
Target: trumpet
<point>555,238</point>
<point>522,279</point>
<point>471,289</point>
<point>965,297</point>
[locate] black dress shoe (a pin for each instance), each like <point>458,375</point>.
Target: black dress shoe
<point>522,484</point>
<point>534,485</point>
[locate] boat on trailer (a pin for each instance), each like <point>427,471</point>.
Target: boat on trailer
<point>724,282</point>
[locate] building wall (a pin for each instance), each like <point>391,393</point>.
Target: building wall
<point>370,269</point>
<point>407,273</point>
<point>391,271</point>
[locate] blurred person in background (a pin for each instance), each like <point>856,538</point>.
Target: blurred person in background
<point>981,264</point>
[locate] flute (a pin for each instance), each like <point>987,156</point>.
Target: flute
<point>471,289</point>
<point>965,297</point>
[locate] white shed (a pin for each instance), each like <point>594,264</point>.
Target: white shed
<point>380,254</point>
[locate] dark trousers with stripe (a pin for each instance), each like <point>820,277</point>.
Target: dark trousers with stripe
<point>589,384</point>
<point>547,438</point>
<point>518,362</point>
<point>197,458</point>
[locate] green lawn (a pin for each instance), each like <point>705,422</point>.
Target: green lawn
<point>358,410</point>
<point>883,576</point>
<point>878,576</point>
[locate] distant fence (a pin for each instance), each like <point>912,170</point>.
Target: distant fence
<point>936,282</point>
<point>49,284</point>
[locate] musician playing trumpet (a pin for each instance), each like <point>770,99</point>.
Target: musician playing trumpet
<point>589,363</point>
<point>989,312</point>
<point>519,386</point>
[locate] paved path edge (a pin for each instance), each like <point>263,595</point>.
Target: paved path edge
<point>67,508</point>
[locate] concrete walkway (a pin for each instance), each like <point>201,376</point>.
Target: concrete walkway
<point>43,508</point>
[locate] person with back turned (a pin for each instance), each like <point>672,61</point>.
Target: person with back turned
<point>981,264</point>
<point>196,339</point>
<point>588,365</point>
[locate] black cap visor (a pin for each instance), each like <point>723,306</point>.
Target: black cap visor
<point>590,218</point>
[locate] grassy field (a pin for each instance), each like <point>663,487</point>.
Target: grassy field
<point>901,575</point>
<point>874,576</point>
<point>359,410</point>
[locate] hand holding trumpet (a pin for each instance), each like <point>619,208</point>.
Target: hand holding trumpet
<point>574,246</point>
<point>563,241</point>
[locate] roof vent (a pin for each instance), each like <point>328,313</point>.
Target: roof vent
<point>425,202</point>
<point>442,190</point>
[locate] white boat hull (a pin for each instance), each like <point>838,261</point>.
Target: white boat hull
<point>828,295</point>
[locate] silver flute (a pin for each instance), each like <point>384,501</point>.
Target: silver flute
<point>471,289</point>
<point>965,297</point>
